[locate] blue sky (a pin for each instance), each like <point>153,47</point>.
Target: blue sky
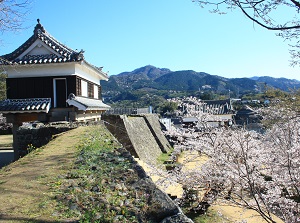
<point>179,35</point>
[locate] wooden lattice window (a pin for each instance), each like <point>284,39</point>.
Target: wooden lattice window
<point>78,87</point>
<point>90,90</point>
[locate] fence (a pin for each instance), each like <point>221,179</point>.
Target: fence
<point>129,111</point>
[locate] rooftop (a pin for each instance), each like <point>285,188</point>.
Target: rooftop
<point>60,53</point>
<point>86,104</point>
<point>29,105</point>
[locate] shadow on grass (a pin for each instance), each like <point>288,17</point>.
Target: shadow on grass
<point>22,219</point>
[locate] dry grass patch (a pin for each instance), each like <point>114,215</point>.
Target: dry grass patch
<point>25,184</point>
<point>6,141</point>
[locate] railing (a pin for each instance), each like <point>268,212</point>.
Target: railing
<point>129,111</point>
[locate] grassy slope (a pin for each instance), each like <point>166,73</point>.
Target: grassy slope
<point>25,186</point>
<point>51,185</point>
<point>82,175</point>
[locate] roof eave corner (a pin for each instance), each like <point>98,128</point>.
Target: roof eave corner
<point>77,104</point>
<point>105,75</point>
<point>102,74</point>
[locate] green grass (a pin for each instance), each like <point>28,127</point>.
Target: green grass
<point>2,182</point>
<point>210,216</point>
<point>164,157</point>
<point>98,186</point>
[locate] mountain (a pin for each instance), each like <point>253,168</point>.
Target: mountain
<point>280,83</point>
<point>151,78</point>
<point>181,80</point>
<point>139,78</point>
<point>150,72</point>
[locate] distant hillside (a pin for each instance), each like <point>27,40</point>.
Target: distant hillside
<point>139,78</point>
<point>110,85</point>
<point>280,83</point>
<point>181,80</point>
<point>151,78</point>
<point>147,72</point>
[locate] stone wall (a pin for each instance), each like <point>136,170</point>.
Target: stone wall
<point>142,139</point>
<point>38,135</point>
<point>115,124</point>
<point>161,208</point>
<point>136,133</point>
<point>155,127</point>
<point>140,134</point>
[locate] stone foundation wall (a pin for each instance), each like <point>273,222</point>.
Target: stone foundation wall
<point>39,135</point>
<point>155,127</point>
<point>141,135</point>
<point>115,124</point>
<point>142,139</point>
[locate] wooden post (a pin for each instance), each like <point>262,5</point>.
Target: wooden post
<point>17,122</point>
<point>15,128</point>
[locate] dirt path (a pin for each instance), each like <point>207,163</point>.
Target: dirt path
<point>24,193</point>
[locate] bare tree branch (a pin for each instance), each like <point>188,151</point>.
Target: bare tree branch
<point>265,14</point>
<point>12,14</point>
<point>263,25</point>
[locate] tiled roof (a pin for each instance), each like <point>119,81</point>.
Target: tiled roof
<point>190,119</point>
<point>63,53</point>
<point>246,110</point>
<point>28,105</point>
<point>218,107</point>
<point>85,104</point>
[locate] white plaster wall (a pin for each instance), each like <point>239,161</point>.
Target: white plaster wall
<point>40,70</point>
<point>54,69</point>
<point>96,92</point>
<point>38,48</point>
<point>85,71</point>
<point>225,117</point>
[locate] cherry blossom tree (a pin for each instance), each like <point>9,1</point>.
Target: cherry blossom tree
<point>249,169</point>
<point>280,16</point>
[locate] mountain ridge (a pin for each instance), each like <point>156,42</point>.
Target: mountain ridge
<point>151,77</point>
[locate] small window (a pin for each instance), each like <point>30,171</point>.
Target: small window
<point>96,92</point>
<point>84,88</point>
